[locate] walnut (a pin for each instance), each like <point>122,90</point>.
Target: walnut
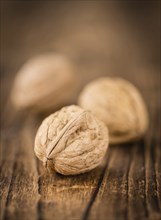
<point>43,83</point>
<point>119,105</point>
<point>71,141</point>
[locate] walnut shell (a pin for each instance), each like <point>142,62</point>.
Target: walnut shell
<point>119,105</point>
<point>43,83</point>
<point>71,141</point>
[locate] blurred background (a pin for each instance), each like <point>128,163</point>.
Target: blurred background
<point>114,38</point>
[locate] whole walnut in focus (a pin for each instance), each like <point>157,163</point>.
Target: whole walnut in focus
<point>71,141</point>
<point>119,105</point>
<point>43,83</point>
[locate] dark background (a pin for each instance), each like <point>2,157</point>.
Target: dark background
<point>118,38</point>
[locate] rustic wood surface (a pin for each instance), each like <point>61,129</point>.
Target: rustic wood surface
<point>128,183</point>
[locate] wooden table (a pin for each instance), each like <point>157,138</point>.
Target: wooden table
<point>128,183</point>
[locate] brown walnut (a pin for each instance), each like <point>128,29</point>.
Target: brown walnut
<point>119,105</point>
<point>43,83</point>
<point>71,141</point>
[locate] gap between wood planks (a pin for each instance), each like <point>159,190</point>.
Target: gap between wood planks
<point>94,195</point>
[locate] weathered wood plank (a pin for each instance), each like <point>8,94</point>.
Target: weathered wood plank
<point>99,188</point>
<point>111,202</point>
<point>23,192</point>
<point>151,174</point>
<point>157,155</point>
<point>65,197</point>
<point>137,208</point>
<point>8,153</point>
<point>125,197</point>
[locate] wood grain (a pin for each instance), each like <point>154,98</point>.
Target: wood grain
<point>23,191</point>
<point>8,153</point>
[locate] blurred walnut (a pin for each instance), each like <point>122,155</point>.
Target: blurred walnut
<point>44,82</point>
<point>119,105</point>
<point>71,141</point>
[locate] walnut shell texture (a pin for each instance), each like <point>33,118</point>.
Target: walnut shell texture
<point>119,105</point>
<point>44,82</point>
<point>71,141</point>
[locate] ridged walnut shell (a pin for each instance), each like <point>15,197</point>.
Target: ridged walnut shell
<point>119,105</point>
<point>44,82</point>
<point>71,141</point>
